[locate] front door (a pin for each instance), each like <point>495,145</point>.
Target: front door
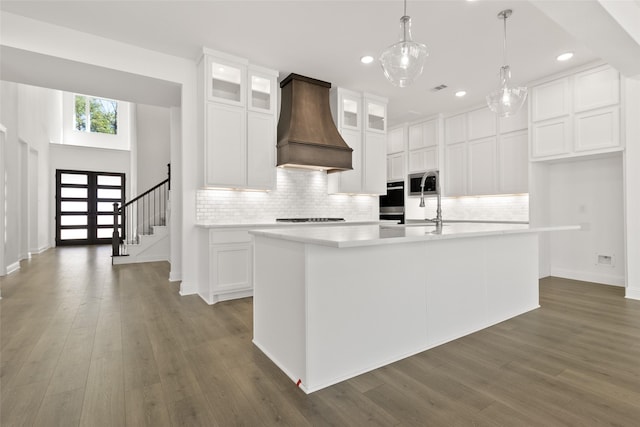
<point>84,206</point>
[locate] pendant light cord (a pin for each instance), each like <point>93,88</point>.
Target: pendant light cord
<point>504,50</point>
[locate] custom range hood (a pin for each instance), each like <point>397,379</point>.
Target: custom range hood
<point>307,136</point>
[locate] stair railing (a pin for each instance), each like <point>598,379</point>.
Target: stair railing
<point>139,215</point>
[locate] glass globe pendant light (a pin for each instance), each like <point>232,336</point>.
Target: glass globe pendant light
<point>507,100</point>
<point>403,62</point>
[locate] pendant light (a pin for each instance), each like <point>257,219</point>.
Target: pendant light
<point>402,62</point>
<point>507,100</point>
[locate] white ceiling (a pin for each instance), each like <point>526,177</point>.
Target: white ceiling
<point>325,39</point>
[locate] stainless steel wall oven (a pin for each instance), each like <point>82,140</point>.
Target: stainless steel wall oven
<point>392,204</point>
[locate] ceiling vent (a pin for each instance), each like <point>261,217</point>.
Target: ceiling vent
<point>438,88</point>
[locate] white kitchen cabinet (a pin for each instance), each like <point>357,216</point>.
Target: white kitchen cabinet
<point>230,264</point>
<point>519,121</point>
<point>476,162</point>
<point>551,137</point>
<point>375,178</point>
<point>595,88</point>
<point>262,90</point>
<point>455,129</point>
<point>423,160</point>
<point>395,140</point>
<point>482,168</point>
<point>550,100</point>
<point>481,123</point>
<point>226,148</point>
<point>423,134</point>
<point>513,161</point>
<point>226,79</point>
<point>261,140</point>
<point>576,115</point>
<point>395,167</point>
<point>367,136</point>
<point>456,170</point>
<point>238,122</point>
<point>597,129</point>
<point>376,114</point>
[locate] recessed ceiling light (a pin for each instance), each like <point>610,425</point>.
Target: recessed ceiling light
<point>565,56</point>
<point>367,59</point>
<point>461,93</point>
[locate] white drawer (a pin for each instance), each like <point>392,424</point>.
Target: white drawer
<point>217,237</point>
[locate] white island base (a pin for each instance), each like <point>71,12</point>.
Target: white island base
<point>329,310</point>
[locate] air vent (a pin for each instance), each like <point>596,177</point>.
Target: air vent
<point>437,88</point>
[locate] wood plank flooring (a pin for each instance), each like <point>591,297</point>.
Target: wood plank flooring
<point>84,343</point>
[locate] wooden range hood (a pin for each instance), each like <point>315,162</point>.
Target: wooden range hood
<point>307,135</point>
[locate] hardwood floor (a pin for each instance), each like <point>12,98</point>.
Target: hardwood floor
<point>87,343</point>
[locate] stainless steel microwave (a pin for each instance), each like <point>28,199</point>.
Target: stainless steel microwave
<point>430,184</point>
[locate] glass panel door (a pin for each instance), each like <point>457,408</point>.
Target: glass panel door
<point>84,206</point>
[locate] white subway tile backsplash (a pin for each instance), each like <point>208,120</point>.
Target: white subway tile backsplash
<point>298,193</point>
<point>301,193</point>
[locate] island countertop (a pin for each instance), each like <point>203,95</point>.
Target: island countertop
<point>370,235</point>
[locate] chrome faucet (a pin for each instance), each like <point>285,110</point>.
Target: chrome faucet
<point>438,219</point>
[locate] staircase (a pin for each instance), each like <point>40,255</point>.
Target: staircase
<point>145,234</point>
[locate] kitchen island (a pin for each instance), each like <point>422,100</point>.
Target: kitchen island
<point>332,303</point>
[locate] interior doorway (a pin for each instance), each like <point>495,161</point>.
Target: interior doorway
<point>84,206</point>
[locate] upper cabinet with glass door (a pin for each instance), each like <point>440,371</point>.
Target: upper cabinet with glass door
<point>376,113</point>
<point>227,79</point>
<point>262,89</point>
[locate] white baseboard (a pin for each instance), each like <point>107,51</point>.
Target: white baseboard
<point>175,276</point>
<point>188,289</point>
<point>40,250</point>
<point>587,276</point>
<point>12,268</point>
<point>632,293</point>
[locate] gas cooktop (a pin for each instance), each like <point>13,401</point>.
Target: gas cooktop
<point>309,219</point>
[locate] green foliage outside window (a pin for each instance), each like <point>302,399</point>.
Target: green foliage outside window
<point>101,115</point>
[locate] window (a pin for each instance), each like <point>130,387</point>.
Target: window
<point>97,115</point>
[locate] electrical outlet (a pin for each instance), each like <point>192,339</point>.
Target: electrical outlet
<point>605,260</point>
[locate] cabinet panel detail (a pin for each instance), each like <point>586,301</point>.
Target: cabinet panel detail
<point>482,166</point>
<point>597,129</point>
<point>455,129</point>
<point>225,145</point>
<point>481,123</point>
<point>231,267</point>
<point>261,143</point>
<point>375,179</point>
<point>596,88</point>
<point>456,169</point>
<point>517,122</point>
<point>513,161</point>
<point>416,136</point>
<point>422,160</point>
<point>550,100</point>
<point>395,167</point>
<point>395,141</point>
<point>551,137</point>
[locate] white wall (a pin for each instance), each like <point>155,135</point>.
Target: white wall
<point>153,130</point>
<point>632,186</point>
<point>31,116</point>
<point>588,192</point>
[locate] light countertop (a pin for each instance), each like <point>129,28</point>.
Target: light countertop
<point>274,224</point>
<point>369,235</point>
